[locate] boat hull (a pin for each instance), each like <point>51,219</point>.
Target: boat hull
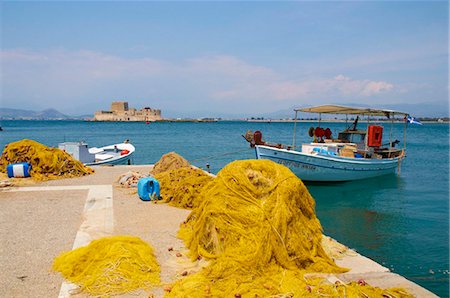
<point>123,160</point>
<point>114,155</point>
<point>321,167</point>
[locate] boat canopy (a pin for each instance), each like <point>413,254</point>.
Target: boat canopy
<point>335,109</point>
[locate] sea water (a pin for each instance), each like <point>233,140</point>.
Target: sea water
<point>400,221</point>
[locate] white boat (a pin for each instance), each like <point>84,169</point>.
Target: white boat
<point>355,154</point>
<point>116,154</point>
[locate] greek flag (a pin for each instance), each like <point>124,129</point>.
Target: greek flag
<point>413,120</point>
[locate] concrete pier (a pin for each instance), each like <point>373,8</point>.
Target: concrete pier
<point>39,221</point>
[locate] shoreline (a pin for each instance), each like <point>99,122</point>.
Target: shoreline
<point>235,120</point>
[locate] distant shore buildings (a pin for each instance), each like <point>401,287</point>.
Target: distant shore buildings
<point>121,112</point>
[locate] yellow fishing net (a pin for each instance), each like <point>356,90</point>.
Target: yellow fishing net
<point>256,225</point>
<point>260,211</point>
<point>230,279</point>
<point>181,187</point>
<point>47,163</point>
<point>110,266</point>
<point>169,161</point>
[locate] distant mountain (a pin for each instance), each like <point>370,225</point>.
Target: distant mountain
<point>427,109</point>
<point>6,113</point>
<point>49,114</point>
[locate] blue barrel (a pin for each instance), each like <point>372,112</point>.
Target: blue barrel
<point>148,189</point>
<point>17,170</point>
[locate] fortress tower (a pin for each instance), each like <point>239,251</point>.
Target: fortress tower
<point>119,106</point>
<point>121,112</point>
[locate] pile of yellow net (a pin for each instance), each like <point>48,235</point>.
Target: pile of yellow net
<point>110,266</point>
<point>261,210</point>
<point>169,161</point>
<point>257,227</point>
<point>47,163</point>
<point>181,187</point>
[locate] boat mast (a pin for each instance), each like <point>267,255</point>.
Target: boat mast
<point>295,130</point>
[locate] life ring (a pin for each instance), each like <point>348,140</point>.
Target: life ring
<point>311,131</point>
<point>124,152</point>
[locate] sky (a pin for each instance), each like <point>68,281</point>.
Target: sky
<point>213,59</point>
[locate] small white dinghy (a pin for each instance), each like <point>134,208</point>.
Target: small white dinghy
<point>116,154</point>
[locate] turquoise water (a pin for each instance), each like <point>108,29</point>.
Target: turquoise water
<point>402,222</point>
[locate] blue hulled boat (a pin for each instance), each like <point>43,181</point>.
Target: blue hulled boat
<point>355,154</point>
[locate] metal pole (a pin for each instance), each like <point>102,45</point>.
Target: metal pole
<point>390,134</point>
<point>404,145</point>
<point>390,137</point>
<point>367,133</point>
<point>404,134</point>
<point>295,130</point>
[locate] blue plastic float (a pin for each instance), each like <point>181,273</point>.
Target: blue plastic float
<point>18,170</point>
<point>148,189</point>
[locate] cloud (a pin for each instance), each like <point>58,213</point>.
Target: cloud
<point>226,65</point>
<point>341,78</point>
<point>62,78</point>
<point>86,64</point>
<point>338,87</point>
<point>371,88</point>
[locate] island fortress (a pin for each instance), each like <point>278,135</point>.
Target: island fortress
<point>120,112</point>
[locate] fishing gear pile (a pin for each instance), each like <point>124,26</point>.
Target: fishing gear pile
<point>47,163</point>
<point>182,187</point>
<point>269,216</point>
<point>257,227</point>
<point>169,161</point>
<point>129,179</point>
<point>110,266</point>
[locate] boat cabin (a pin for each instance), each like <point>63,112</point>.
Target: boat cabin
<point>354,136</point>
<point>78,150</point>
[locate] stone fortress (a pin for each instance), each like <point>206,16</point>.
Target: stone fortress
<point>120,112</point>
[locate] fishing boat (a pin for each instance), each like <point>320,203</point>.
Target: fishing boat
<point>351,155</point>
<point>116,154</point>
